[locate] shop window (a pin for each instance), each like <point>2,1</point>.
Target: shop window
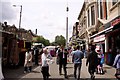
<point>118,41</point>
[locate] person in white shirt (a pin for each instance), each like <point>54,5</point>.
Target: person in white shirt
<point>46,58</point>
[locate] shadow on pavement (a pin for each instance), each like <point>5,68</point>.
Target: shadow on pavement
<point>9,73</point>
<point>69,67</point>
<point>35,72</point>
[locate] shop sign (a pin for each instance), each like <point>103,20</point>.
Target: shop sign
<point>99,38</point>
<point>115,22</point>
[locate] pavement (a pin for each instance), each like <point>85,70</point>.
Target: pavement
<point>17,74</point>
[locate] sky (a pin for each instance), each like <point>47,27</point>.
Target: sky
<point>47,16</point>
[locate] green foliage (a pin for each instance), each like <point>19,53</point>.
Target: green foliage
<point>41,39</point>
<point>60,40</point>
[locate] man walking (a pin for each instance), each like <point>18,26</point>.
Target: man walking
<point>36,54</point>
<point>92,59</point>
<point>77,57</point>
<point>62,55</point>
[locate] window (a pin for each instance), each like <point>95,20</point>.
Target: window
<point>84,22</point>
<point>114,2</point>
<point>106,10</point>
<point>88,19</point>
<point>92,15</point>
<point>101,12</point>
<point>98,7</point>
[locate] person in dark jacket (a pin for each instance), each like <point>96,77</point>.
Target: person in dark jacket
<point>62,54</point>
<point>36,53</point>
<point>92,59</point>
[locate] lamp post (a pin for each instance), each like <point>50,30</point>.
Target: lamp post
<point>20,14</point>
<point>67,9</point>
<point>19,35</point>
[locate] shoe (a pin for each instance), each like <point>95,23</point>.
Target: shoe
<point>60,73</point>
<point>29,71</point>
<point>75,77</point>
<point>66,77</point>
<point>92,77</point>
<point>25,72</point>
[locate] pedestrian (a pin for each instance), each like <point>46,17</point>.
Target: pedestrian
<point>62,56</point>
<point>36,54</point>
<point>99,51</point>
<point>92,60</point>
<point>45,64</point>
<point>116,64</point>
<point>28,61</point>
<point>100,63</point>
<point>77,57</point>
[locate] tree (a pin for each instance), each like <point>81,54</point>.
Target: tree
<point>47,42</point>
<point>42,40</point>
<point>60,40</point>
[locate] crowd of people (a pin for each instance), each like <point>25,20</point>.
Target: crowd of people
<point>95,61</point>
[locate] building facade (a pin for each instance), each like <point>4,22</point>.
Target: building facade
<point>102,26</point>
<point>14,44</point>
<point>82,27</point>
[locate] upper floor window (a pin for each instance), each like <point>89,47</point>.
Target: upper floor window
<point>84,22</point>
<point>88,19</point>
<point>114,2</point>
<point>92,15</point>
<point>101,10</point>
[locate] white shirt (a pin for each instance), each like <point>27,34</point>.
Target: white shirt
<point>45,59</point>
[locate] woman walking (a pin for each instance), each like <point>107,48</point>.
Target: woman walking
<point>28,61</point>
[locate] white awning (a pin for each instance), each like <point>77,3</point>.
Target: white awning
<point>101,32</point>
<point>99,38</point>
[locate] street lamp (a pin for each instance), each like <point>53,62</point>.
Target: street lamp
<point>19,35</point>
<point>67,9</point>
<point>20,14</point>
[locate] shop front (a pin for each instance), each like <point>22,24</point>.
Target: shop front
<point>99,42</point>
<point>112,40</point>
<point>99,39</point>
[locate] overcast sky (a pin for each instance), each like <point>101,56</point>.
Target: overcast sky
<point>47,16</point>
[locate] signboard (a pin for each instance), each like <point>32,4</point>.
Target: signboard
<point>99,38</point>
<point>115,22</point>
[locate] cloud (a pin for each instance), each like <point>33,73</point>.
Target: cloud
<point>48,16</point>
<point>7,13</point>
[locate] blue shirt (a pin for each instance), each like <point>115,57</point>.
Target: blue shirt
<point>77,56</point>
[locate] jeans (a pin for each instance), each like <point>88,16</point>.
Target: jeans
<point>77,67</point>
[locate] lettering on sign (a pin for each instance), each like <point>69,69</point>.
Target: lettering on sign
<point>99,38</point>
<point>116,21</point>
